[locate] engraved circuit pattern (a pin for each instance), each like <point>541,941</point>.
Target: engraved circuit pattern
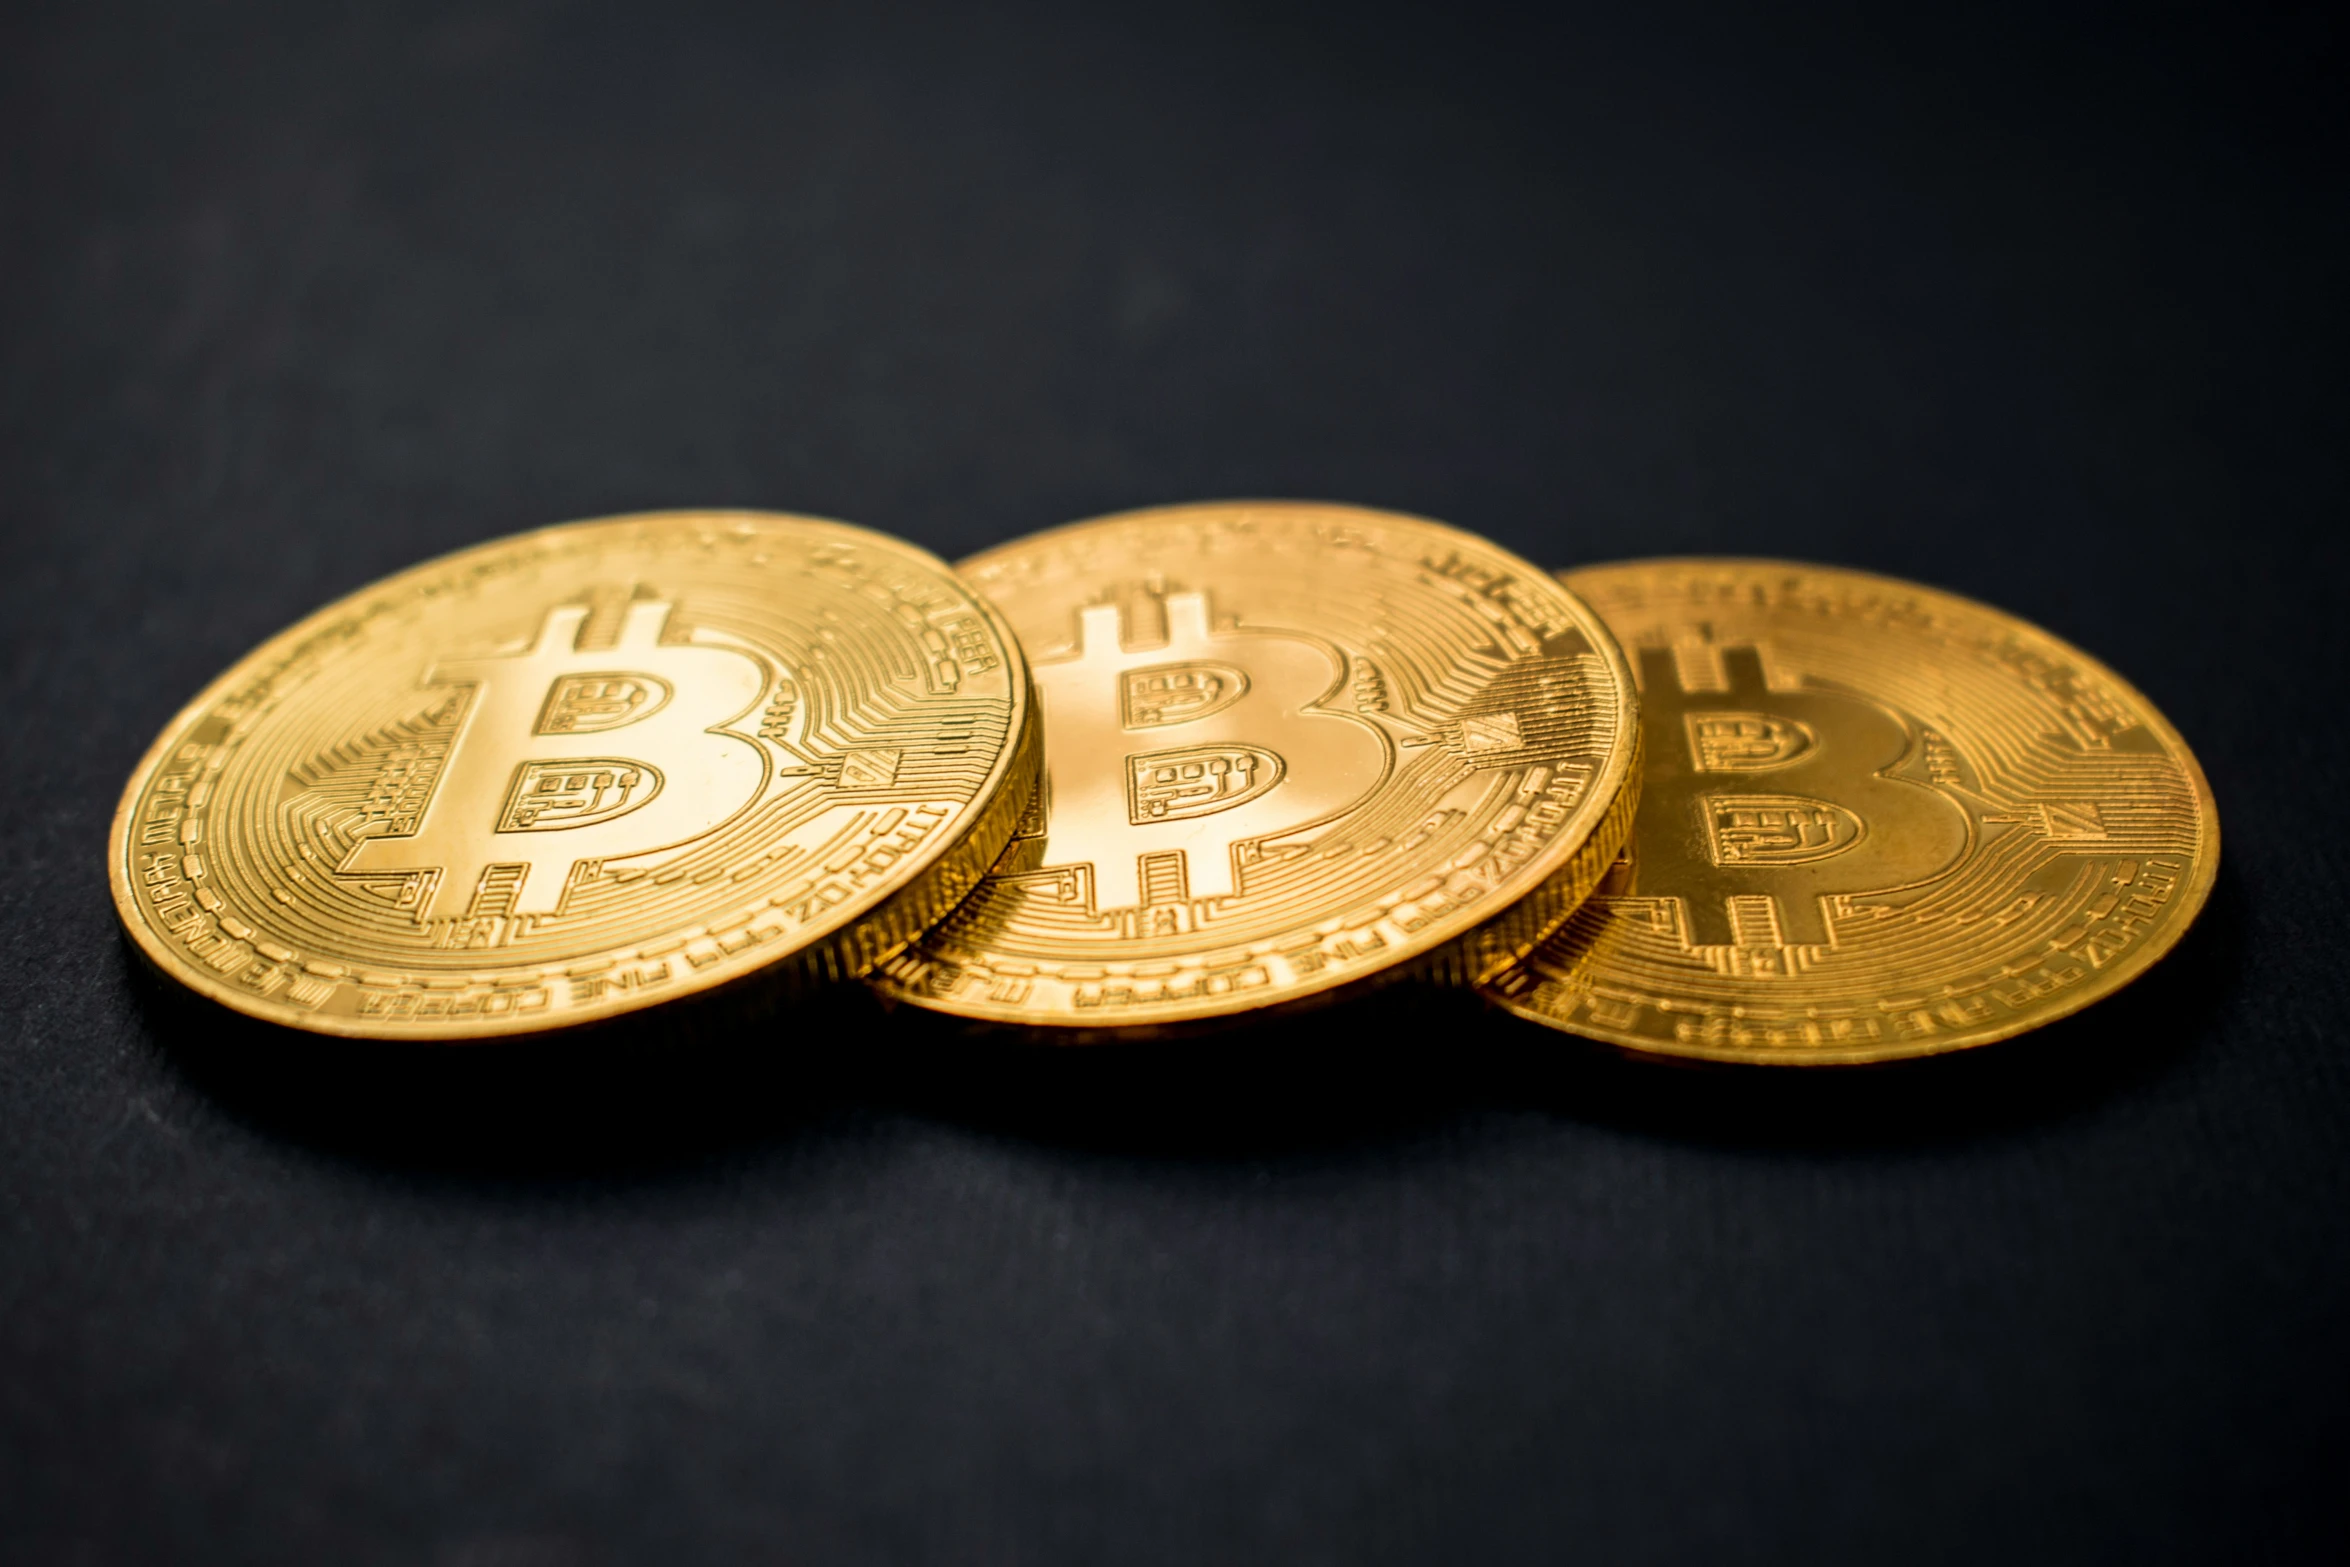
<point>581,770</point>
<point>1878,821</point>
<point>1287,747</point>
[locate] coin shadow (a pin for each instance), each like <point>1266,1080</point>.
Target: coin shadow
<point>723,1076</point>
<point>1369,1072</point>
<point>1396,1066</point>
<point>715,1077</point>
<point>637,1096</point>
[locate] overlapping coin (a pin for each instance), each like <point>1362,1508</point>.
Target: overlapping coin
<point>580,771</point>
<point>1290,748</point>
<point>1287,750</point>
<point>1877,821</point>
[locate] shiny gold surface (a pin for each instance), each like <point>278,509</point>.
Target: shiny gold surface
<point>1288,747</point>
<point>1877,821</point>
<point>579,771</point>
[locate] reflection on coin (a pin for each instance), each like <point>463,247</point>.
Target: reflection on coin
<point>580,771</point>
<point>1878,821</point>
<point>1288,747</point>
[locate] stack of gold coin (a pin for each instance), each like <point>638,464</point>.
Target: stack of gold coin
<point>1161,771</point>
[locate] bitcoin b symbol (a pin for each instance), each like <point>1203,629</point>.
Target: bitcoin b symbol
<point>517,808</point>
<point>1164,761</point>
<point>1772,801</point>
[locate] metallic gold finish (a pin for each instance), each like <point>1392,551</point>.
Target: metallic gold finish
<point>580,771</point>
<point>1878,821</point>
<point>1288,747</point>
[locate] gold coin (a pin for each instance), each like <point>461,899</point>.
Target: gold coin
<point>1288,747</point>
<point>1878,821</point>
<point>580,771</point>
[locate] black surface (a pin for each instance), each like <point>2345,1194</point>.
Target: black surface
<point>2045,310</point>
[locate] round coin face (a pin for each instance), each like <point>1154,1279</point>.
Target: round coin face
<point>581,771</point>
<point>1288,748</point>
<point>1877,821</point>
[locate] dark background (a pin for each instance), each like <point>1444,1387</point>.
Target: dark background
<point>2046,308</point>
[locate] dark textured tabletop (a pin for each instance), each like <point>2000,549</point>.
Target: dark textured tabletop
<point>2043,308</point>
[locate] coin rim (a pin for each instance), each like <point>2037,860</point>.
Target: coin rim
<point>2204,872</point>
<point>1536,901</point>
<point>856,938</point>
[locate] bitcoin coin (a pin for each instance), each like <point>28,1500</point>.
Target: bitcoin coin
<point>580,771</point>
<point>1877,821</point>
<point>1288,748</point>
